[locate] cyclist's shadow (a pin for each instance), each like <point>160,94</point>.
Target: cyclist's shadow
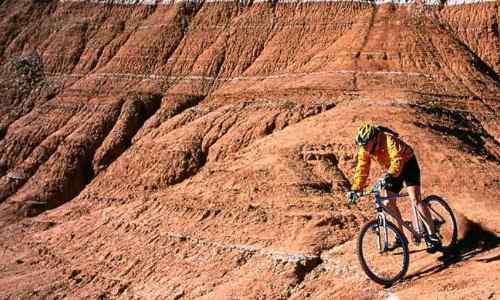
<point>476,240</point>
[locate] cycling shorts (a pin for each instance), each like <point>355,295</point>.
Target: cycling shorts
<point>410,176</point>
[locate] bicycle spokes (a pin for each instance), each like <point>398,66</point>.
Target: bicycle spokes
<point>443,221</point>
<point>438,224</point>
<point>376,250</point>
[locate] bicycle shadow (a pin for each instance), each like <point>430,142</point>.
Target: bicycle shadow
<point>476,240</point>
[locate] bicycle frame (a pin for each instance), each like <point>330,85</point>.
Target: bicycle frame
<point>382,210</point>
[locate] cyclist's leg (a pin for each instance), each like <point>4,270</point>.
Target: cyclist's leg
<point>411,174</point>
<point>416,198</point>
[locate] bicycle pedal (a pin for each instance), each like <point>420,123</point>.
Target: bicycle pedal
<point>432,249</point>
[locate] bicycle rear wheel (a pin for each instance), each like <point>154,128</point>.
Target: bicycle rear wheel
<point>383,264</point>
<point>443,220</point>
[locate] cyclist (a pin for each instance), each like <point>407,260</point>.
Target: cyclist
<point>398,159</point>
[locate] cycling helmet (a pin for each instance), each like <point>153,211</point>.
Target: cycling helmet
<point>365,133</point>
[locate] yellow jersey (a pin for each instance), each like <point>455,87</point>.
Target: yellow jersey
<point>389,151</point>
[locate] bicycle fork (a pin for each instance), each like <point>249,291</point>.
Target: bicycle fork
<point>383,243</point>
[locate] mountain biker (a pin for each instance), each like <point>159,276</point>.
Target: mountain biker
<point>398,159</point>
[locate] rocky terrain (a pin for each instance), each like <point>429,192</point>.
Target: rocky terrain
<point>200,150</point>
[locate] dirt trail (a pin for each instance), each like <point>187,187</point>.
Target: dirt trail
<point>200,150</point>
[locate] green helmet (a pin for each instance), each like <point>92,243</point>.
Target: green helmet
<point>365,133</point>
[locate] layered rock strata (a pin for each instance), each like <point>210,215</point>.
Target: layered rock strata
<point>201,149</point>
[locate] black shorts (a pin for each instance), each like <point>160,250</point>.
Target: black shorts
<point>410,176</point>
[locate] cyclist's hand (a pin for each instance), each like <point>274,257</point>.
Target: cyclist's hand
<point>387,181</point>
<point>352,197</point>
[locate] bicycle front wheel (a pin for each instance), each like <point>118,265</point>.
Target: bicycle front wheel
<point>443,220</point>
<point>382,258</point>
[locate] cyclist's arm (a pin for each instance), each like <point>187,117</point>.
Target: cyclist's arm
<point>362,170</point>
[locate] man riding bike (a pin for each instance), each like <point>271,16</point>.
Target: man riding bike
<point>398,159</point>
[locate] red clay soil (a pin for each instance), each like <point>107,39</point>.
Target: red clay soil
<point>200,150</point>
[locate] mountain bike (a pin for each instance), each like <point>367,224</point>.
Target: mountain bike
<point>382,248</point>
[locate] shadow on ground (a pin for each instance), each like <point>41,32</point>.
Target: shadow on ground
<point>476,240</point>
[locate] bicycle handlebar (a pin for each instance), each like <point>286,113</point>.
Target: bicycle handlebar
<point>377,187</point>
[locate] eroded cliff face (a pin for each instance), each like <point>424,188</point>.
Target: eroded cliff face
<point>201,149</point>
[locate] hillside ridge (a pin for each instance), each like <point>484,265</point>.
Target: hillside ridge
<point>202,150</point>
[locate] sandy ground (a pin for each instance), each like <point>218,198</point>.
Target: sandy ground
<point>201,150</point>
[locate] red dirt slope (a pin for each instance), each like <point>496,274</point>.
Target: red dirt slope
<point>199,150</point>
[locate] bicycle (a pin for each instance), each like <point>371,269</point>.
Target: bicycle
<point>384,263</point>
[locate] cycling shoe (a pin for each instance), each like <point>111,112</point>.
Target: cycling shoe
<point>433,243</point>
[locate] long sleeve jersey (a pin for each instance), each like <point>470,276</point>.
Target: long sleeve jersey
<point>390,152</point>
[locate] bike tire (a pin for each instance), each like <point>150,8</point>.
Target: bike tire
<point>451,233</point>
<point>362,256</point>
